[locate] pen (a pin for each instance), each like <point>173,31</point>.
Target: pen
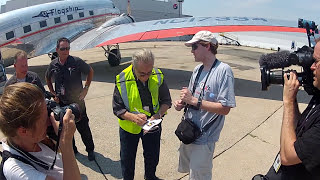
<point>136,110</point>
<point>139,113</point>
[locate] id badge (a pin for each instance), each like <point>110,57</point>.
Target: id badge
<point>277,163</point>
<point>62,90</point>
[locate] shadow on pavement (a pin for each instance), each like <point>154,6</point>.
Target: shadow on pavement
<point>107,165</point>
<point>84,177</point>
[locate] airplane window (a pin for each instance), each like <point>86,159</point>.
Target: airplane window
<point>9,35</point>
<point>43,24</point>
<point>70,17</point>
<point>81,14</point>
<point>26,29</point>
<point>91,13</point>
<point>57,20</point>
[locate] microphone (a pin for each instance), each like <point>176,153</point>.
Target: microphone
<point>276,60</point>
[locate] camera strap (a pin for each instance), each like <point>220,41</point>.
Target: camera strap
<point>29,156</point>
<point>198,76</point>
<point>58,140</point>
<point>207,126</point>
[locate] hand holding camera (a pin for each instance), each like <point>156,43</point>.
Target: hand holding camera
<point>291,87</point>
<point>68,128</point>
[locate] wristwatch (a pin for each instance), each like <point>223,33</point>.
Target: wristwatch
<point>159,115</point>
<point>199,103</point>
<point>86,87</point>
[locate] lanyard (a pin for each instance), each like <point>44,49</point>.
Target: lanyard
<point>198,75</point>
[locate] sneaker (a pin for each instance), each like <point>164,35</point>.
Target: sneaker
<point>75,150</point>
<point>91,156</point>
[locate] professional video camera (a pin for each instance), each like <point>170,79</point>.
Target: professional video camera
<point>58,111</point>
<point>302,57</point>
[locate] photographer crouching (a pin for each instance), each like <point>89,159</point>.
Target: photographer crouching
<point>24,120</point>
<point>299,156</point>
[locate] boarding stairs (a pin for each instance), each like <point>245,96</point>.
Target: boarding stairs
<point>229,39</point>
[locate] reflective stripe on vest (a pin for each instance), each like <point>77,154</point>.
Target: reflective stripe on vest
<point>129,92</point>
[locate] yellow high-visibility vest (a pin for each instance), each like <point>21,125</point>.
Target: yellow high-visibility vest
<point>129,92</point>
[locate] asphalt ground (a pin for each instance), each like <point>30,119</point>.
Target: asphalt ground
<point>249,140</point>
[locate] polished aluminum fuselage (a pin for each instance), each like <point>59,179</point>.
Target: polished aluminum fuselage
<point>35,29</point>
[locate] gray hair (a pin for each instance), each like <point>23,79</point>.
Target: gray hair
<point>19,54</point>
<point>145,55</point>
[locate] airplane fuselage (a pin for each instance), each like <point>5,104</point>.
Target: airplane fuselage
<point>35,29</point>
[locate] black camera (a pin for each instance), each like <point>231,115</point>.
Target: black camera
<point>302,57</point>
<point>59,111</point>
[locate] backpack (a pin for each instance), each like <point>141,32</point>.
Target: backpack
<point>6,155</point>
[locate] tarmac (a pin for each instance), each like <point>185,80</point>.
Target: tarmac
<point>248,142</point>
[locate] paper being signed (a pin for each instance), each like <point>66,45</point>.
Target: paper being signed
<point>150,124</point>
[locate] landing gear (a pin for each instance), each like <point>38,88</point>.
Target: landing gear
<point>3,77</point>
<point>113,55</point>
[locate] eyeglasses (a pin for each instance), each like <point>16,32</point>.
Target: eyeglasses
<point>194,46</point>
<point>65,49</point>
<point>142,74</point>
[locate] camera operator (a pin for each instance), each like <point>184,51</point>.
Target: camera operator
<point>24,120</point>
<point>300,133</point>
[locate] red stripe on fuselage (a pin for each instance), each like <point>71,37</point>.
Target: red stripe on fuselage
<point>52,27</point>
<point>158,34</point>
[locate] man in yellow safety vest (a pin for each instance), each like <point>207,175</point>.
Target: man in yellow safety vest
<point>140,94</point>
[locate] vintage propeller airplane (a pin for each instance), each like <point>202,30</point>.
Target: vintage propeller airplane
<point>98,23</point>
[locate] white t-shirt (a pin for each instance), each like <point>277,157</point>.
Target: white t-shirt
<point>14,169</point>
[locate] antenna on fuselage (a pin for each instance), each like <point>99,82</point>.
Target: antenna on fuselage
<point>128,8</point>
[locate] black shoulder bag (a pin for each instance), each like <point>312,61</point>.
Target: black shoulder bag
<point>187,131</point>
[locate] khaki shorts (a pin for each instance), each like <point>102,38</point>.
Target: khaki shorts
<point>196,160</point>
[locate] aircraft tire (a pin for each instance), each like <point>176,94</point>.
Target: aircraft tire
<point>112,59</point>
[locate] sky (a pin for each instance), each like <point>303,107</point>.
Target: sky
<point>274,9</point>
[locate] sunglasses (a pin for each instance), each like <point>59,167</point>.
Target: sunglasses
<point>65,49</point>
<point>194,46</point>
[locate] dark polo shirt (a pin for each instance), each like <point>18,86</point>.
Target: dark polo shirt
<point>68,76</point>
<point>31,77</point>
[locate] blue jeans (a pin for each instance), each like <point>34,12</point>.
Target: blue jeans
<point>128,150</point>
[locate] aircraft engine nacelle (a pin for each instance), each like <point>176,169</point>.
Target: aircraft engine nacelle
<point>122,19</point>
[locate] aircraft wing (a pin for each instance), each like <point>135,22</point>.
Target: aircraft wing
<point>165,28</point>
<point>47,44</point>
